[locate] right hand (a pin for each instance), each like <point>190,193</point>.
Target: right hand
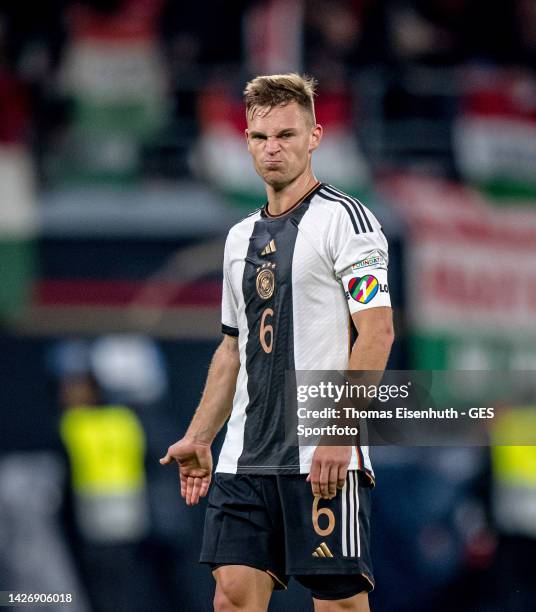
<point>328,470</point>
<point>195,467</point>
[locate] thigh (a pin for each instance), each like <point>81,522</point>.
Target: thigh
<point>327,541</point>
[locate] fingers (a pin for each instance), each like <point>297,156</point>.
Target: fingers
<point>341,476</point>
<point>324,480</point>
<point>195,487</point>
<point>189,489</point>
<point>205,483</point>
<point>183,479</point>
<point>166,459</point>
<point>196,492</point>
<point>314,477</point>
<point>328,480</point>
<point>332,482</point>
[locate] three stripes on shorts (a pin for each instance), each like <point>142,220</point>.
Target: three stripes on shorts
<point>350,538</point>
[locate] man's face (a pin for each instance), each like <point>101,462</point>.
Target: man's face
<point>281,140</point>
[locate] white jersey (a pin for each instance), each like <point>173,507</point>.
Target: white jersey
<point>290,284</point>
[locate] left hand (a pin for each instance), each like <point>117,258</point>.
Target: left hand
<point>328,470</point>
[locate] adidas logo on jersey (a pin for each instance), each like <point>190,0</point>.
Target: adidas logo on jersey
<point>322,551</point>
<point>269,248</point>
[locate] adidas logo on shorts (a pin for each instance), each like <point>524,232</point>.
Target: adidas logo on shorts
<point>322,551</point>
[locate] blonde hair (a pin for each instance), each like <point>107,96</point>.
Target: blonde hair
<point>280,89</point>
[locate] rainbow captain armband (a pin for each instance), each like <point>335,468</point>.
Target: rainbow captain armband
<point>366,290</point>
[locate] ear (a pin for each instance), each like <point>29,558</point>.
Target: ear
<point>246,133</point>
<point>316,137</point>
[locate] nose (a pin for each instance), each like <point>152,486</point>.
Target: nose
<point>272,145</point>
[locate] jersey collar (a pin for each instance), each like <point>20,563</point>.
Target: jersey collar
<point>305,198</point>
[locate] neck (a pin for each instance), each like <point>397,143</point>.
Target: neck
<point>279,201</point>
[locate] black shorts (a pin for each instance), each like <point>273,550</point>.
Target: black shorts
<point>274,523</point>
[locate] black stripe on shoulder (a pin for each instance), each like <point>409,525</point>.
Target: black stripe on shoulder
<point>228,330</point>
<point>362,208</point>
<point>356,204</point>
<point>347,208</point>
<point>351,202</point>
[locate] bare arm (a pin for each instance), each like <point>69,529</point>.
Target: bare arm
<point>373,345</point>
<point>370,352</point>
<point>192,452</point>
<point>217,399</point>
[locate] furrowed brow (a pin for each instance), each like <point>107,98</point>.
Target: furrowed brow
<point>287,131</point>
<point>257,134</point>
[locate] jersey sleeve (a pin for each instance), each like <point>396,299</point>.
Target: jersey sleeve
<point>229,320</point>
<point>360,258</point>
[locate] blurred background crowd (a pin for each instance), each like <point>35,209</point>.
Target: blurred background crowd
<point>123,164</point>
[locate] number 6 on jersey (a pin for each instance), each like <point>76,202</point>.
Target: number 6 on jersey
<point>266,331</point>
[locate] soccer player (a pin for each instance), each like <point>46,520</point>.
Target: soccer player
<point>301,276</point>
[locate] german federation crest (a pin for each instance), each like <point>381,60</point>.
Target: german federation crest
<point>363,289</point>
<point>266,281</point>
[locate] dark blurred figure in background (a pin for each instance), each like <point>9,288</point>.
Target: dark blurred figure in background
<point>524,48</point>
<point>447,32</point>
<point>128,536</point>
<point>201,43</point>
<point>105,445</point>
<point>341,36</point>
<point>34,39</point>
